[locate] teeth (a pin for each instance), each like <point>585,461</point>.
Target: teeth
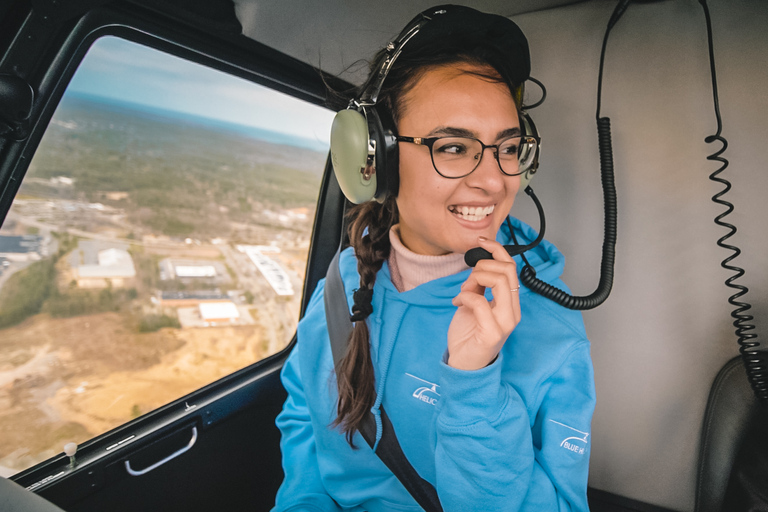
<point>472,213</point>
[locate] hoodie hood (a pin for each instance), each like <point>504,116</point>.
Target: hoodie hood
<point>545,258</point>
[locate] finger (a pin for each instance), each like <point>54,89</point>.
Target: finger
<point>500,258</point>
<point>504,263</point>
<point>488,327</point>
<point>508,268</point>
<point>481,279</point>
<point>472,284</point>
<point>506,300</point>
<point>497,250</point>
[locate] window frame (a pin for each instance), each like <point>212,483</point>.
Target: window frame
<point>57,60</point>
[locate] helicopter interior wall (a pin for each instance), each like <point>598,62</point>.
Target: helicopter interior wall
<point>338,36</point>
<point>666,330</point>
<point>659,340</point>
<point>662,336</point>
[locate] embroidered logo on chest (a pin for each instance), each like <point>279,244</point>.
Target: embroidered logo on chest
<point>425,391</point>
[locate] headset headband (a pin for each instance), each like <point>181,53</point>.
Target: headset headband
<point>460,25</point>
<point>371,93</point>
<point>364,150</point>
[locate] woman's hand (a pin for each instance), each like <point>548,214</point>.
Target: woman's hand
<point>479,328</point>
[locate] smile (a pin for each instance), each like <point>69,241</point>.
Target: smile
<point>471,213</point>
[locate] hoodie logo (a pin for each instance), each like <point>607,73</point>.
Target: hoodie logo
<point>425,393</point>
<point>576,440</point>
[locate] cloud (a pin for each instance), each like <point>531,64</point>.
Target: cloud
<point>131,72</point>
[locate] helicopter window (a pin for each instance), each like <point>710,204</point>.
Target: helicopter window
<point>158,243</point>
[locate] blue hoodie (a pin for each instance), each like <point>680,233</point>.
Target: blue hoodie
<point>512,436</point>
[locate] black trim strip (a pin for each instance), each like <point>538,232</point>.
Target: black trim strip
<point>603,501</point>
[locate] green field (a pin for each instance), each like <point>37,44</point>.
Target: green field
<point>184,177</point>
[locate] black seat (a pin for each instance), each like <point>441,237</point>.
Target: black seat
<point>731,408</point>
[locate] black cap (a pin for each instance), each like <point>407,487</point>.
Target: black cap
<point>460,26</point>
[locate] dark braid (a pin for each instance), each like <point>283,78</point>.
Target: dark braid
<point>355,375</point>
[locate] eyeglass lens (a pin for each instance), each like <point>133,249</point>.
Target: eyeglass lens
<point>455,157</point>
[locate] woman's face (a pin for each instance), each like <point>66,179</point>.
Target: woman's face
<point>448,101</point>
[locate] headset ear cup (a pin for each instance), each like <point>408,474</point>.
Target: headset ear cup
<point>354,170</point>
<point>529,129</point>
<point>387,164</point>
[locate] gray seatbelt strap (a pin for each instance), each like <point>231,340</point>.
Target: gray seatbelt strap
<point>337,311</point>
<point>389,451</point>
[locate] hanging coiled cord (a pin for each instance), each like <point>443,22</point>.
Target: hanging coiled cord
<point>754,360</point>
<point>528,273</point>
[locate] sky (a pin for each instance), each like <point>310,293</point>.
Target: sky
<point>126,71</point>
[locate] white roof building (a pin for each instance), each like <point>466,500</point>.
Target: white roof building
<point>111,263</point>
<point>114,257</point>
<point>195,271</point>
<point>218,312</point>
<point>276,277</point>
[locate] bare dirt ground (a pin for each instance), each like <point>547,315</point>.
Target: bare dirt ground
<point>187,251</point>
<point>68,380</point>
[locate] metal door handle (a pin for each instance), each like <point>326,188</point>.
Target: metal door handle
<point>139,472</point>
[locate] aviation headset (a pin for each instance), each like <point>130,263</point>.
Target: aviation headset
<point>364,150</point>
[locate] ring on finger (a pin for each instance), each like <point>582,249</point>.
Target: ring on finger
<point>514,289</point>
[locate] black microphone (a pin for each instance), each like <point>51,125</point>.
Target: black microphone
<point>472,256</point>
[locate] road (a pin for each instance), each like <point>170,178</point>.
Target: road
<point>268,305</point>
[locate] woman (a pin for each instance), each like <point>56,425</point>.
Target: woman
<point>488,386</point>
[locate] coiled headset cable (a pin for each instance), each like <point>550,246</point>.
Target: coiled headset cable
<point>754,360</point>
<point>528,273</point>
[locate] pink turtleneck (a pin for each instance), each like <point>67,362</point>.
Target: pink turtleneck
<point>409,269</point>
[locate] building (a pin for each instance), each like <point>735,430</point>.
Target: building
<point>194,272</point>
<point>97,264</point>
<point>271,270</point>
<point>218,313</point>
<point>22,248</point>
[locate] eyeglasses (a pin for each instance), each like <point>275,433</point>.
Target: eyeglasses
<point>456,157</point>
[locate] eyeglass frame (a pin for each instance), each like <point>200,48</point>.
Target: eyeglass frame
<point>430,142</point>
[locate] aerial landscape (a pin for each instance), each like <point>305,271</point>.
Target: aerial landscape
<point>146,255</point>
